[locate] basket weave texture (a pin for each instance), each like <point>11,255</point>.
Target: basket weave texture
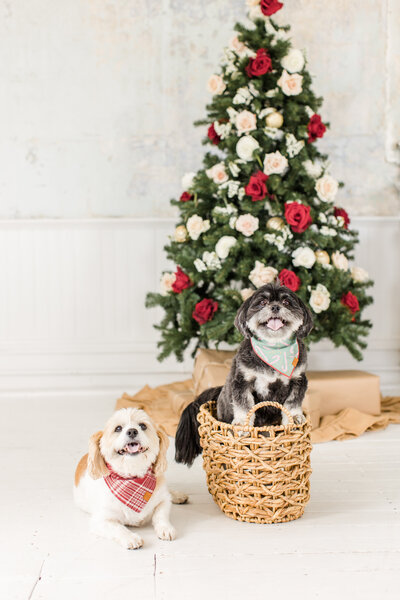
<point>256,474</point>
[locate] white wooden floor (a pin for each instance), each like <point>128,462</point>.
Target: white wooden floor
<point>347,545</point>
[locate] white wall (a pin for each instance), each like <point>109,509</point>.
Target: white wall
<point>72,313</point>
<point>98,97</point>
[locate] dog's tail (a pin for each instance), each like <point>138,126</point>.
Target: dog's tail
<point>187,439</point>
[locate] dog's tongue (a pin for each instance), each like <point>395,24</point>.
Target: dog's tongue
<point>274,324</point>
<point>132,448</point>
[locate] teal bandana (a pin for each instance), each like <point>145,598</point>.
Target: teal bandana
<point>282,356</point>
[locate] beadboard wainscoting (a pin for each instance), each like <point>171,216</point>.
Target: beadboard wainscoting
<point>72,314</point>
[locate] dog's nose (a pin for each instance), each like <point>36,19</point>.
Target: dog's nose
<point>275,308</point>
<point>131,432</point>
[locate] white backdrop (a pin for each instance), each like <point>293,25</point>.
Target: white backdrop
<point>98,98</point>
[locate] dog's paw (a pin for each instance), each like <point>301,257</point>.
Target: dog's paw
<point>178,497</point>
<point>299,418</point>
<point>132,541</point>
<point>166,532</point>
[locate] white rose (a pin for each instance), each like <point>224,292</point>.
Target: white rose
<point>275,162</point>
<point>274,120</point>
<point>320,298</point>
<point>211,260</point>
<point>246,293</point>
<point>251,3</point>
<point>340,261</point>
<point>327,188</point>
<point>303,257</point>
<point>187,180</point>
<point>238,46</point>
<point>312,169</point>
<point>261,274</point>
<point>224,244</point>
<point>247,224</point>
<point>216,85</point>
<point>167,279</point>
<point>200,266</point>
<point>245,121</point>
<point>217,173</point>
<point>246,146</point>
<point>196,226</point>
<point>359,275</point>
<point>293,62</point>
<point>291,85</point>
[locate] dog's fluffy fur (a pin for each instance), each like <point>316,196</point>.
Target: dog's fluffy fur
<point>250,379</point>
<point>91,493</point>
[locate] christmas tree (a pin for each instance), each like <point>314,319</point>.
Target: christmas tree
<point>263,204</point>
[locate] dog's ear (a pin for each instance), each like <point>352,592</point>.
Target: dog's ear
<point>308,323</point>
<point>161,463</point>
<point>241,319</point>
<point>96,464</point>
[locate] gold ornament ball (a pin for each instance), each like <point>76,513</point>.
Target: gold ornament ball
<point>322,257</point>
<point>276,223</point>
<point>180,234</point>
<point>274,120</point>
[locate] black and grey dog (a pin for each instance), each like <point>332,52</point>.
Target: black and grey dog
<point>270,365</point>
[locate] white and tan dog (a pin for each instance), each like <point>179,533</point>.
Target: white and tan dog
<point>121,480</point>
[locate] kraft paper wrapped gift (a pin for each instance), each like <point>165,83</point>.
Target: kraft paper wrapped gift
<point>346,389</point>
<point>211,368</point>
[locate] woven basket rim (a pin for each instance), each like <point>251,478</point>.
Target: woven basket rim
<point>205,408</point>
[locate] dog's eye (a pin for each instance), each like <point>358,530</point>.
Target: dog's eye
<point>285,302</point>
<point>142,426</point>
<point>118,429</point>
<point>264,301</point>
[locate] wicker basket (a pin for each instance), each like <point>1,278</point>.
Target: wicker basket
<point>256,474</point>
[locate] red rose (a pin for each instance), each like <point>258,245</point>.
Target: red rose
<point>315,128</point>
<point>340,212</point>
<point>213,135</point>
<point>182,281</point>
<point>204,310</point>
<point>270,7</point>
<point>290,279</point>
<point>298,216</point>
<point>259,65</point>
<point>185,197</point>
<point>351,301</point>
<point>256,187</point>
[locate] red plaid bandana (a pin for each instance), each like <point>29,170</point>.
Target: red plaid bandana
<point>134,492</point>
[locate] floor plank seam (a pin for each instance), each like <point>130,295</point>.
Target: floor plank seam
<point>155,576</point>
<point>37,580</point>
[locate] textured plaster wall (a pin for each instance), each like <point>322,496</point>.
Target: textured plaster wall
<point>97,99</point>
